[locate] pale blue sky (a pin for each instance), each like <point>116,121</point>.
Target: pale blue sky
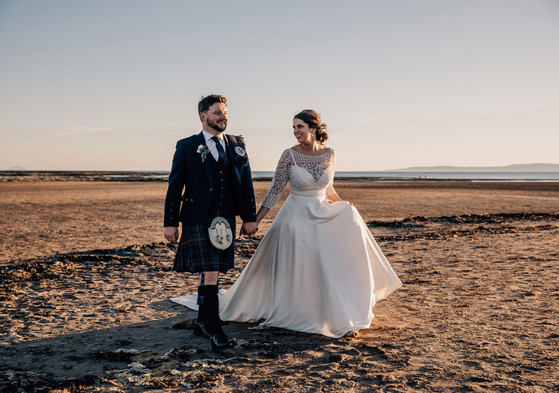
<point>113,84</point>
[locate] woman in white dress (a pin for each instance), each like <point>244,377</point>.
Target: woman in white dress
<point>318,268</point>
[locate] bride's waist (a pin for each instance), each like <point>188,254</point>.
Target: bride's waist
<point>308,193</point>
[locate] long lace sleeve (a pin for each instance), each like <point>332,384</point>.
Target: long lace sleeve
<point>281,177</point>
<point>330,188</point>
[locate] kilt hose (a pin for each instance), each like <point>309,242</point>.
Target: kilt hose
<point>196,254</point>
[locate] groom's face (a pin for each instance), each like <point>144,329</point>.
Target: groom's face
<point>215,117</point>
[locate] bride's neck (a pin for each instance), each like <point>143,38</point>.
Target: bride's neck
<point>311,146</point>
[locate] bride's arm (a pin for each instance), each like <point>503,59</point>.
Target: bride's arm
<point>331,194</point>
<point>332,198</point>
<point>261,213</point>
<point>281,177</point>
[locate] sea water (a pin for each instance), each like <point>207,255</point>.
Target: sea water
<point>504,176</point>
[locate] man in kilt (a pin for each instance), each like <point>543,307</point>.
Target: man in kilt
<point>210,177</point>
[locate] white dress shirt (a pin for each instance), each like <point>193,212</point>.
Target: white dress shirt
<point>211,144</point>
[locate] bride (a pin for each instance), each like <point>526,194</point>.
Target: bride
<point>318,268</point>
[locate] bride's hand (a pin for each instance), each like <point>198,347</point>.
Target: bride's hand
<point>249,228</point>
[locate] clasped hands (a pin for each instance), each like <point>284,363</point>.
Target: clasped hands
<point>249,228</point>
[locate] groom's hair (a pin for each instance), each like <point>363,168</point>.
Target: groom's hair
<point>206,102</point>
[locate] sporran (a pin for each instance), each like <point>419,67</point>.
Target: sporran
<point>220,233</point>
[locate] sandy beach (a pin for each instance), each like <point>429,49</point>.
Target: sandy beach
<point>86,279</point>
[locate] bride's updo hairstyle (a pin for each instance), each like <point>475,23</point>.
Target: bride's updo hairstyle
<point>312,119</point>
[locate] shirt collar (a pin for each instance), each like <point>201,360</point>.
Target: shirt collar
<point>209,136</point>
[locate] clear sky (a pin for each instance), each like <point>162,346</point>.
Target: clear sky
<point>113,84</point>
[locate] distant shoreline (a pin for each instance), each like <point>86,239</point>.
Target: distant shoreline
<point>533,168</point>
<point>162,176</point>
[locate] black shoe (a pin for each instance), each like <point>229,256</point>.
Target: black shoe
<point>201,329</point>
<point>220,341</point>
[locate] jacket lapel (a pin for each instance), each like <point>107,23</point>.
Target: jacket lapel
<point>200,140</point>
<point>231,155</point>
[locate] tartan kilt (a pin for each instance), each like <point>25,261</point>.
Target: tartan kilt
<point>196,254</point>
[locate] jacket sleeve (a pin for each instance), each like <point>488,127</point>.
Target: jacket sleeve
<point>249,201</point>
<point>177,181</point>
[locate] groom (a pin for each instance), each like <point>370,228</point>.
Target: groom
<point>210,178</point>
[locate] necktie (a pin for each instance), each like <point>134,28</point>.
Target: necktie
<point>220,151</point>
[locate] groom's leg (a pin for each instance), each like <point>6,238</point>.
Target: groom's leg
<point>209,278</point>
<point>206,294</point>
<point>207,297</point>
<point>209,306</point>
<point>204,301</point>
<point>206,278</point>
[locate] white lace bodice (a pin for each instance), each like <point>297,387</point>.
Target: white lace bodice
<point>307,175</point>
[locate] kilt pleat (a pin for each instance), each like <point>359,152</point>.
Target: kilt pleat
<point>196,254</point>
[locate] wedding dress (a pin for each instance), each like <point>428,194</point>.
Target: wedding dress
<point>318,268</point>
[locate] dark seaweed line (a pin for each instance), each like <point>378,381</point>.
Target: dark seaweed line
<point>497,218</point>
<point>66,264</point>
<point>468,232</point>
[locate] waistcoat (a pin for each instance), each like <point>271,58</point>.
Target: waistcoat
<point>223,197</point>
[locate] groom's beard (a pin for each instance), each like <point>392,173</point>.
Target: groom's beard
<point>219,126</point>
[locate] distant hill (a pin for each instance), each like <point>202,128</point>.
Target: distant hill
<point>508,168</point>
<point>17,168</point>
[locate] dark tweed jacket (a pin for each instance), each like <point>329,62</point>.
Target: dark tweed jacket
<point>190,190</point>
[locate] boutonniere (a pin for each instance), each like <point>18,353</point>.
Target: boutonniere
<point>203,151</point>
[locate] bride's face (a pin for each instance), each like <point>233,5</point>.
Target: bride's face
<point>302,131</point>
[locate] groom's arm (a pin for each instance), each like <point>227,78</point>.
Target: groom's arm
<point>248,212</point>
<point>177,181</point>
<point>250,226</point>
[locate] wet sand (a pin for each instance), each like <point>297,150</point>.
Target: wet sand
<point>86,280</point>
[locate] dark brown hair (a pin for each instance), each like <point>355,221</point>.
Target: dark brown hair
<point>206,102</point>
<point>312,119</point>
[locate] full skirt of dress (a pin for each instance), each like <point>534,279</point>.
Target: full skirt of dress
<point>318,269</point>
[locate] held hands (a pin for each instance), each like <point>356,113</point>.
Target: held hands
<point>249,228</point>
<point>172,234</point>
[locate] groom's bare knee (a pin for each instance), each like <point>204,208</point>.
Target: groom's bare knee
<point>209,278</point>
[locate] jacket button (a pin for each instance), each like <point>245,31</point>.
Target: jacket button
<point>171,210</point>
<point>211,189</point>
<point>170,218</point>
<point>192,200</point>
